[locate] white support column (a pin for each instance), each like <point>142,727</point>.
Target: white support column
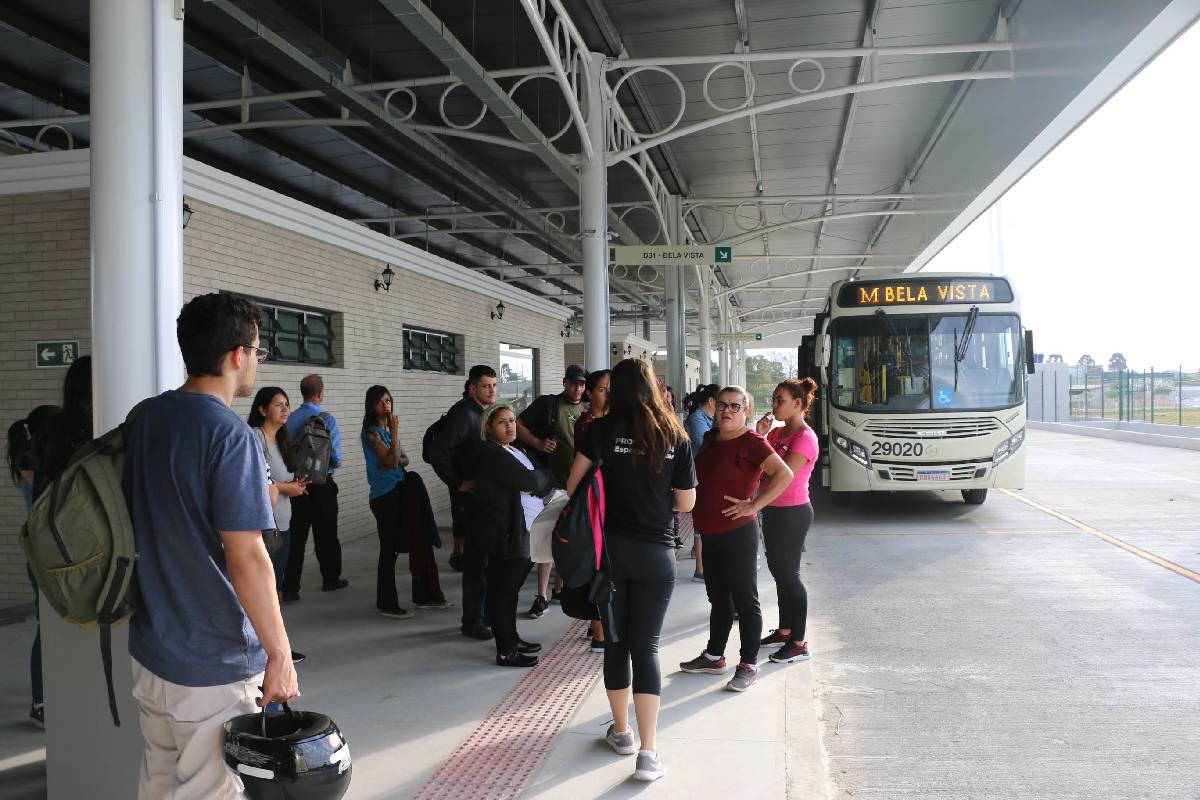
<point>137,286</point>
<point>593,223</point>
<point>671,309</point>
<point>675,299</point>
<point>723,359</point>
<point>705,326</point>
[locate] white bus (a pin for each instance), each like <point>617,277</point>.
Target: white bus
<point>922,385</point>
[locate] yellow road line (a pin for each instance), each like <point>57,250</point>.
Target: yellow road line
<point>820,534</point>
<point>1113,540</point>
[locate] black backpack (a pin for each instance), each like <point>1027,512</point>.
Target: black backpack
<point>431,433</point>
<point>314,448</point>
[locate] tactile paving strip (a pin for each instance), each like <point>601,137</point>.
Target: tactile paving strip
<point>500,756</point>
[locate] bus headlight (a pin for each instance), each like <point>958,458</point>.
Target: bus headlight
<point>1008,447</point>
<point>852,448</point>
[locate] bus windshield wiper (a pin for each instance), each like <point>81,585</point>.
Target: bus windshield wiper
<point>960,351</point>
<point>879,312</point>
<point>961,345</point>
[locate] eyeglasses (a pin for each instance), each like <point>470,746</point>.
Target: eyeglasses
<point>260,353</point>
<point>734,407</point>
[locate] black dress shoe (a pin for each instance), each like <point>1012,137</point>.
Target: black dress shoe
<point>477,631</point>
<point>297,657</point>
<point>340,583</point>
<point>516,660</point>
<point>528,647</point>
<point>290,597</point>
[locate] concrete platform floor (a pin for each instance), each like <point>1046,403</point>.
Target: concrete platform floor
<point>959,652</point>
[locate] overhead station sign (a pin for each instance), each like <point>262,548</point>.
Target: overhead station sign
<point>737,337</point>
<point>668,256</point>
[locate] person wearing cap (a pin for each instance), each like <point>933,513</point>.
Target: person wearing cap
<point>547,430</point>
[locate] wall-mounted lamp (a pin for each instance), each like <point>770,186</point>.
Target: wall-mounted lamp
<point>499,312</point>
<point>386,275</point>
<point>567,330</point>
<point>187,213</point>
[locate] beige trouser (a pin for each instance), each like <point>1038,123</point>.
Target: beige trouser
<point>182,728</point>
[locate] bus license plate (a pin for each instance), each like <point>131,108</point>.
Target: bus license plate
<point>934,475</point>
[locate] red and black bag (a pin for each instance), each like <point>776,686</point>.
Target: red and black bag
<point>580,555</point>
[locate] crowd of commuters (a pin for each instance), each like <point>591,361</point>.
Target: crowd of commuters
<point>207,491</point>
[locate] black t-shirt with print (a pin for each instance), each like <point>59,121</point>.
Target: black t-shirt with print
<point>638,503</point>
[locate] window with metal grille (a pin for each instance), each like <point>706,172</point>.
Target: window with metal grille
<point>432,351</point>
<point>296,335</point>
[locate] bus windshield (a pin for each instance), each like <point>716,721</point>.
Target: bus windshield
<point>933,362</point>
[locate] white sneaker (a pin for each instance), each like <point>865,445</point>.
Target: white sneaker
<point>621,743</point>
<point>649,768</point>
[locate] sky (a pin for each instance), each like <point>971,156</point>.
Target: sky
<point>1100,237</point>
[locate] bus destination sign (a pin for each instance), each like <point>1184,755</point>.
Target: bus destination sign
<point>924,291</point>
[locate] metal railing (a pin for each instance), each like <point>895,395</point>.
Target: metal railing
<point>1164,397</point>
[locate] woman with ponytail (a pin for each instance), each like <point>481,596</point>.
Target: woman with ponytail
<point>648,473</point>
<point>787,519</point>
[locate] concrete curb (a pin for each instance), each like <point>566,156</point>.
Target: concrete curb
<point>1184,442</point>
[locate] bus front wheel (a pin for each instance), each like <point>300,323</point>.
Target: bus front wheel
<point>974,497</point>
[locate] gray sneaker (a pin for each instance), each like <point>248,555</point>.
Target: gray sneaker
<point>621,743</point>
<point>743,678</point>
<point>649,768</point>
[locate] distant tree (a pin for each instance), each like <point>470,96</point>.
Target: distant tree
<point>1086,361</point>
<point>1054,358</point>
<point>1117,362</point>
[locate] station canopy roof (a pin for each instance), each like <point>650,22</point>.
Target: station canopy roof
<point>878,126</point>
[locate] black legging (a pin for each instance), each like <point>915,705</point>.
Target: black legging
<point>784,529</point>
<point>389,524</point>
<point>505,576</point>
<point>731,579</point>
<point>644,577</point>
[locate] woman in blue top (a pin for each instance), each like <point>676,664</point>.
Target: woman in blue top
<point>386,461</point>
<point>701,409</point>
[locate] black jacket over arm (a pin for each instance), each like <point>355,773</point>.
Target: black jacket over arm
<point>499,517</point>
<point>455,445</point>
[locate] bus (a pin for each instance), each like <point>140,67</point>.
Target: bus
<point>922,385</point>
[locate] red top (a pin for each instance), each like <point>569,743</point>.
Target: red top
<point>581,425</point>
<point>729,468</point>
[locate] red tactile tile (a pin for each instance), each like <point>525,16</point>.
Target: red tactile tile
<point>500,756</point>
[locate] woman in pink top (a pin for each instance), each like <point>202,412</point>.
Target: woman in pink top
<point>786,520</point>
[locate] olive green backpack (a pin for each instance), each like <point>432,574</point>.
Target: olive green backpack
<point>79,542</point>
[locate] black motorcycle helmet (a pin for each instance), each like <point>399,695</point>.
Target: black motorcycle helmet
<point>288,755</point>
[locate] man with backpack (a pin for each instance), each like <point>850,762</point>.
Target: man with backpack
<point>318,509</point>
<point>547,429</point>
<point>449,447</point>
<point>208,632</point>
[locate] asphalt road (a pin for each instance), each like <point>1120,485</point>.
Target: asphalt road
<point>1001,651</point>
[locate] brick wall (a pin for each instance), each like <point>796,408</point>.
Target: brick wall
<point>44,295</point>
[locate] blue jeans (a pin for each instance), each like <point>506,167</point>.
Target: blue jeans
<point>279,558</point>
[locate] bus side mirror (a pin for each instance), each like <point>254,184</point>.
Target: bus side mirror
<point>1029,365</point>
<point>821,350</point>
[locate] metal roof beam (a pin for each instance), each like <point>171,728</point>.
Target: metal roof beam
<point>429,30</point>
<point>446,163</point>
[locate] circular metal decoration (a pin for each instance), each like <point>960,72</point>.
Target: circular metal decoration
<point>445,119</point>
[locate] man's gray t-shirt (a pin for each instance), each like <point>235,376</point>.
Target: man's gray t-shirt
<point>193,469</point>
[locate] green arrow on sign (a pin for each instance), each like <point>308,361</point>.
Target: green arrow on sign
<point>724,255</point>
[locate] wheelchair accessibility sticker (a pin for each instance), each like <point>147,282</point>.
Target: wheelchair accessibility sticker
<point>945,397</point>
